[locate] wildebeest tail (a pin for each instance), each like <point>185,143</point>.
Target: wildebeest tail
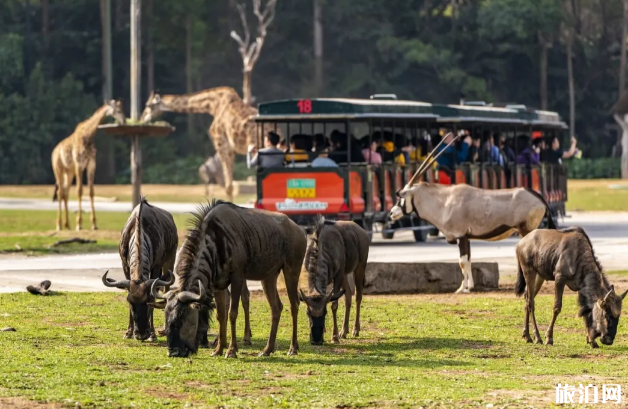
<point>520,285</point>
<point>138,229</point>
<point>550,221</point>
<point>54,195</point>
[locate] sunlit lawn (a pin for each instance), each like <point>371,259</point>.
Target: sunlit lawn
<point>432,351</point>
<point>589,195</point>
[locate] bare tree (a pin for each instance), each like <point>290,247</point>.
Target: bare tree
<point>250,51</point>
<point>545,42</point>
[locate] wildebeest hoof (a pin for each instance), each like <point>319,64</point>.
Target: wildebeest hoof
<point>538,341</point>
<point>162,332</point>
<point>335,339</point>
<point>152,338</point>
<point>231,353</point>
<point>246,342</point>
<point>356,333</point>
<point>293,351</point>
<point>549,341</point>
<point>128,335</point>
<point>594,344</point>
<point>343,334</point>
<point>217,352</point>
<point>266,352</point>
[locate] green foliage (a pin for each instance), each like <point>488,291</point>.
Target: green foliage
<point>423,50</point>
<point>600,168</point>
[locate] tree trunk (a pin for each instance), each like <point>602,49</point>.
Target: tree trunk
<point>622,120</point>
<point>45,21</point>
<point>572,90</point>
<point>188,63</point>
<point>622,66</point>
<point>543,73</point>
<point>107,160</point>
<point>246,87</point>
<point>150,47</point>
<point>318,48</point>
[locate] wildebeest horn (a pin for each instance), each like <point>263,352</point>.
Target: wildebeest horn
<point>110,282</point>
<point>624,294</point>
<point>302,296</point>
<point>160,283</point>
<point>608,294</point>
<point>334,297</point>
<point>427,163</point>
<point>188,296</point>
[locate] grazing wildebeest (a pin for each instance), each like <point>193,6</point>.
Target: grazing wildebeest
<point>463,212</point>
<point>336,250</point>
<point>566,257</point>
<point>228,245</point>
<point>148,248</point>
<point>211,172</point>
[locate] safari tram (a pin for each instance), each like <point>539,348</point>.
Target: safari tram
<point>375,145</point>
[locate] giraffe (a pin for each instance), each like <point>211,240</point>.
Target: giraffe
<point>75,154</point>
<point>232,130</point>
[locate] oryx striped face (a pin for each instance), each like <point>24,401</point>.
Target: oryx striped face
<point>403,206</point>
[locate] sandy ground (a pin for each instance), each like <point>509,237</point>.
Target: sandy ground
<point>608,232</point>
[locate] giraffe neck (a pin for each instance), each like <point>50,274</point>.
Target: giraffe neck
<point>86,130</point>
<point>210,101</point>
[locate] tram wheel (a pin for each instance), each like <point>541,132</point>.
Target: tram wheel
<point>388,235</point>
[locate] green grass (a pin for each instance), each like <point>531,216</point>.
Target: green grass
<point>431,351</point>
<point>33,231</point>
<point>596,195</point>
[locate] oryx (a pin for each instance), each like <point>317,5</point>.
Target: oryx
<point>462,212</point>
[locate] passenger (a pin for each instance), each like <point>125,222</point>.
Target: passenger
<point>555,155</point>
<point>388,151</point>
<point>298,151</point>
<point>320,143</point>
<point>461,153</point>
<point>323,160</point>
<point>527,155</point>
<point>490,152</point>
<point>370,155</point>
<point>506,151</point>
<point>271,155</point>
<point>474,150</point>
<point>340,151</point>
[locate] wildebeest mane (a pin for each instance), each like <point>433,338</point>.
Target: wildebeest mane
<point>312,253</point>
<point>586,297</point>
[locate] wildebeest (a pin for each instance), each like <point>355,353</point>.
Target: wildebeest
<point>336,250</point>
<point>211,172</point>
<point>228,245</point>
<point>463,212</point>
<point>148,248</point>
<point>566,256</point>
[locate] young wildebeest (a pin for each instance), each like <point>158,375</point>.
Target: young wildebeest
<point>148,248</point>
<point>336,250</point>
<point>463,212</point>
<point>566,257</point>
<point>228,245</point>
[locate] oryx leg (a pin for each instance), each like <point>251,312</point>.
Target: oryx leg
<point>465,265</point>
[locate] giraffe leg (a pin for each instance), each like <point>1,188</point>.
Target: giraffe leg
<point>59,188</point>
<point>91,173</point>
<point>68,177</point>
<point>227,158</point>
<point>79,194</point>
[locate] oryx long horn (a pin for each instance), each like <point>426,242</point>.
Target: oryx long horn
<point>110,282</point>
<point>188,296</point>
<point>425,165</point>
<point>429,155</point>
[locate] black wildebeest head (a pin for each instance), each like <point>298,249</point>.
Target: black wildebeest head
<point>317,311</point>
<point>182,309</point>
<point>603,318</point>
<point>138,297</point>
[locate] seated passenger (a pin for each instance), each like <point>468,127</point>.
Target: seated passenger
<point>298,151</point>
<point>320,143</point>
<point>323,160</point>
<point>474,155</point>
<point>389,152</point>
<point>370,155</point>
<point>459,153</point>
<point>271,155</point>
<point>527,154</point>
<point>340,151</point>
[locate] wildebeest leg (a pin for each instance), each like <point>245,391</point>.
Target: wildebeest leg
<point>530,308</point>
<point>465,265</point>
<point>529,278</point>
<point>246,295</point>
<point>538,284</point>
<point>236,289</point>
<point>269,285</point>
<point>348,294</point>
<point>129,331</point>
<point>291,278</point>
<point>227,304</point>
<point>358,277</point>
<point>334,333</point>
<point>558,303</point>
<point>221,317</point>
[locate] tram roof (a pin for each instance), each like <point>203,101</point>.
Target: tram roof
<point>334,109</point>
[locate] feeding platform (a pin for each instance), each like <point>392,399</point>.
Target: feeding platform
<point>136,130</point>
<point>140,129</point>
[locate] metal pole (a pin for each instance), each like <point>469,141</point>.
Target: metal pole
<point>136,153</point>
<point>108,63</point>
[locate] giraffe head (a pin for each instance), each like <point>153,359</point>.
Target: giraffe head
<point>115,110</point>
<point>153,109</point>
